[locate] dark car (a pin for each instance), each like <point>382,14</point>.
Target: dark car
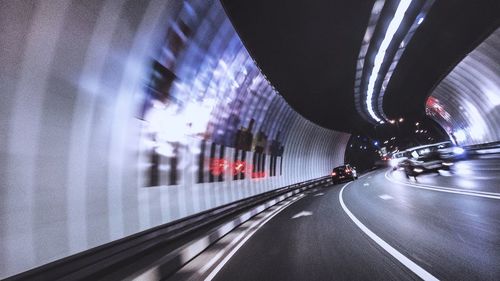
<point>344,172</point>
<point>425,161</point>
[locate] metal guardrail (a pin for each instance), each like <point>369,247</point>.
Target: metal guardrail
<point>163,249</point>
<point>485,150</point>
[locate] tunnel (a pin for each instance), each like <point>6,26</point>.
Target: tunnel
<point>250,140</point>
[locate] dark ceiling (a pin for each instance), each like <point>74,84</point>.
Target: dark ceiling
<point>308,50</point>
<point>452,29</point>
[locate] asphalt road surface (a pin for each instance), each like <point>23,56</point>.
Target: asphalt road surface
<point>441,226</point>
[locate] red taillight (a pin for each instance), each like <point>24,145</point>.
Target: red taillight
<point>334,174</point>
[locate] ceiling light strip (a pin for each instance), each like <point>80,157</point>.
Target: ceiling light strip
<point>379,58</point>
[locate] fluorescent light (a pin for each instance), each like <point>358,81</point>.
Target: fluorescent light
<point>379,58</point>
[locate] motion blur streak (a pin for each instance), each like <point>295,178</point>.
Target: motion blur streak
<point>112,113</point>
<point>467,101</point>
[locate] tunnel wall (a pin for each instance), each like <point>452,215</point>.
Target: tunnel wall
<point>466,103</point>
<point>118,116</point>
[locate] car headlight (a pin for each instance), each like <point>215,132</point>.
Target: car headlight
<point>458,150</point>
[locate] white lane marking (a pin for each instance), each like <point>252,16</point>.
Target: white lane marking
<point>319,194</point>
<point>366,184</point>
<point>251,231</point>
<point>484,194</point>
<point>415,268</point>
<point>386,197</point>
<point>302,214</point>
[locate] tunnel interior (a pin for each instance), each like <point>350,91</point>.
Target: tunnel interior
<point>118,117</point>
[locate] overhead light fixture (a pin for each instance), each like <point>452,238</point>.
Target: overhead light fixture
<point>379,58</point>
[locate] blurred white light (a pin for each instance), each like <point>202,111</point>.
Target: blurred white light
<point>401,120</point>
<point>458,150</point>
<point>420,20</point>
<point>460,135</point>
<point>379,58</point>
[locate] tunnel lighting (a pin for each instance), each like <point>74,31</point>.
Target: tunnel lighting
<point>379,58</point>
<point>401,120</point>
<point>458,150</point>
<point>416,124</point>
<point>420,20</point>
<point>392,121</point>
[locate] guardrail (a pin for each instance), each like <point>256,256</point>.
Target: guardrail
<point>161,251</point>
<point>485,150</point>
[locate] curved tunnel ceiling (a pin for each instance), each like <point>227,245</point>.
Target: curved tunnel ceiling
<point>467,101</point>
<point>450,31</point>
<point>309,51</point>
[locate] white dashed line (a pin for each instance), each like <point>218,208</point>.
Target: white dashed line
<point>386,197</point>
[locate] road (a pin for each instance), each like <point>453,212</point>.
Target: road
<point>405,229</point>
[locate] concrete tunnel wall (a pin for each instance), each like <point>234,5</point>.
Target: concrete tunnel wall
<point>466,103</point>
<point>118,116</point>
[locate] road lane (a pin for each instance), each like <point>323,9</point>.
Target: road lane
<point>323,246</point>
<point>450,236</point>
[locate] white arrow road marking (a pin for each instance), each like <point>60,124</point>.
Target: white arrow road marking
<point>386,197</point>
<point>319,194</point>
<point>302,214</point>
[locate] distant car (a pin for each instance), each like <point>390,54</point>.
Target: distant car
<point>451,152</point>
<point>344,172</point>
<point>425,161</point>
<point>397,159</point>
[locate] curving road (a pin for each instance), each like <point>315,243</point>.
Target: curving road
<point>381,227</point>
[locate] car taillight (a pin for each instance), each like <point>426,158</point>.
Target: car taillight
<point>334,174</point>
